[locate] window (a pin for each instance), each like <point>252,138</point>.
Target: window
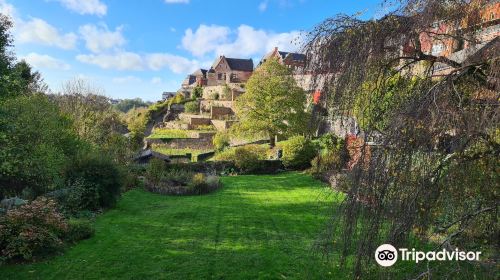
<point>219,76</point>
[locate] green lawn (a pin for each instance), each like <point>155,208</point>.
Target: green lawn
<point>163,133</point>
<point>180,152</point>
<point>255,227</point>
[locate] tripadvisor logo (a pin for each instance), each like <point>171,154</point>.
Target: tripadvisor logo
<point>387,255</point>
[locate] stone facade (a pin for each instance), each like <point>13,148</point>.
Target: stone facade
<point>220,113</point>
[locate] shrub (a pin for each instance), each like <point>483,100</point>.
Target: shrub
<point>221,141</point>
<point>79,229</point>
<point>192,107</point>
<point>155,170</point>
<point>198,185</point>
<point>80,196</point>
<point>31,230</point>
<point>178,176</point>
<point>100,172</point>
<point>197,92</point>
<point>297,152</point>
<point>246,159</point>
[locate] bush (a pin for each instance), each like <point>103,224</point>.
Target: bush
<point>31,230</point>
<point>155,170</point>
<point>198,185</point>
<point>192,107</point>
<point>100,172</point>
<point>197,92</point>
<point>221,141</point>
<point>247,159</point>
<point>79,229</point>
<point>79,196</point>
<point>297,152</point>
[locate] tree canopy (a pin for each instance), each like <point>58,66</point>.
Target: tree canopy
<point>436,126</point>
<point>273,104</point>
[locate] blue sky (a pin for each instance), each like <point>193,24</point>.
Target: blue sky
<point>140,48</point>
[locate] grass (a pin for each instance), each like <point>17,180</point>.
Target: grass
<point>255,227</point>
<point>180,152</point>
<point>175,133</point>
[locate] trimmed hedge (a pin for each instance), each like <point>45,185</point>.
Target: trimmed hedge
<point>264,167</point>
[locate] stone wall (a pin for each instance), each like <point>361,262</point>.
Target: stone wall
<point>220,113</point>
<point>222,125</point>
<point>205,105</point>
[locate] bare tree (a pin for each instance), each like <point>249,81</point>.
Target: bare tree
<point>435,172</point>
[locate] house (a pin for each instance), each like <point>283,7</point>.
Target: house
<point>485,32</point>
<point>289,59</point>
<point>227,70</point>
<point>224,70</point>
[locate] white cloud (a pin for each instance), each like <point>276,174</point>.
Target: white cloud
<point>205,39</point>
<point>177,1</point>
<point>133,61</point>
<point>156,80</point>
<point>176,64</point>
<point>126,79</point>
<point>39,31</point>
<point>36,30</point>
<point>45,61</point>
<point>100,38</point>
<point>118,61</point>
<point>263,6</point>
<point>247,41</point>
<point>82,7</point>
<point>7,9</point>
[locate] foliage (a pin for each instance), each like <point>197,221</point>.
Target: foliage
<point>197,92</point>
<point>192,107</point>
<point>215,96</point>
<point>79,229</point>
<point>332,154</point>
<point>126,105</point>
<point>221,140</point>
<point>94,119</point>
<point>226,93</point>
<point>137,120</point>
<point>297,152</point>
<point>169,133</point>
<point>155,170</point>
<point>431,123</point>
<point>36,144</point>
<point>197,183</point>
<point>272,104</point>
<point>95,171</point>
<point>247,158</point>
<point>373,106</point>
<point>33,229</point>
<point>80,195</point>
<point>16,78</point>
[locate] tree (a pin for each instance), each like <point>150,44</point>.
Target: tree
<point>16,78</point>
<point>439,144</point>
<point>272,104</point>
<point>36,144</point>
<point>126,104</point>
